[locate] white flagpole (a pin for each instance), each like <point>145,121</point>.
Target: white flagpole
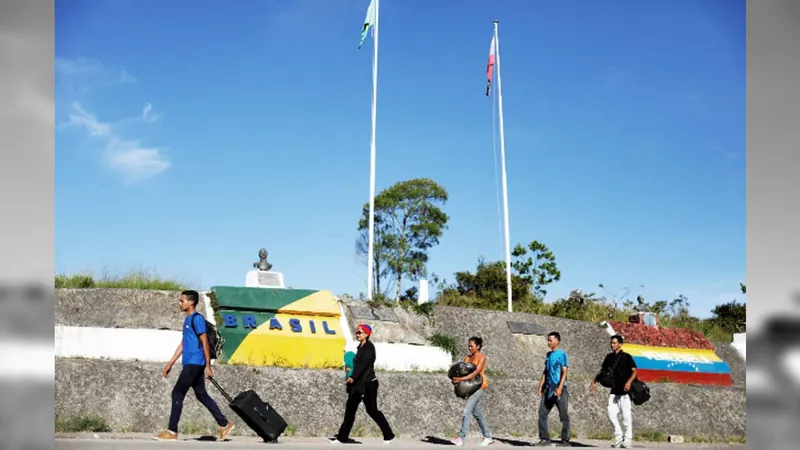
<point>370,259</point>
<point>503,163</point>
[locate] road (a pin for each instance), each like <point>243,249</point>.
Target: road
<point>139,441</point>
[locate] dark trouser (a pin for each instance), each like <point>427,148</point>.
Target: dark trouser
<point>546,405</point>
<point>192,376</point>
<point>369,394</point>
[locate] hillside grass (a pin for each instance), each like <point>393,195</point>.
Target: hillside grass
<point>136,279</point>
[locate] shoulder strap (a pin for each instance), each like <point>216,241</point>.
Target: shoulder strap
<point>613,367</point>
<point>192,322</point>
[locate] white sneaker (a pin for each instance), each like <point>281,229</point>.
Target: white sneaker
<point>388,442</point>
<point>457,441</point>
<point>334,441</point>
<point>617,442</point>
<point>486,441</point>
<point>627,444</point>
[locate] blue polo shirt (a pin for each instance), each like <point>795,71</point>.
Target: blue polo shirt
<point>556,359</point>
<point>192,347</point>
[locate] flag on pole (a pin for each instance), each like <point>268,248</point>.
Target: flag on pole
<point>490,67</point>
<point>369,22</point>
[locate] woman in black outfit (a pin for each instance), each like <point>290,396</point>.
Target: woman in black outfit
<point>363,385</point>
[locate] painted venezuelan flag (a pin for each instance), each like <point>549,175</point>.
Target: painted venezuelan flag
<point>679,365</point>
<point>279,327</point>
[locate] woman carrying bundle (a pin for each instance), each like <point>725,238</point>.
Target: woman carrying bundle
<point>474,405</point>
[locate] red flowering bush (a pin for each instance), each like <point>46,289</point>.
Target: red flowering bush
<point>636,333</point>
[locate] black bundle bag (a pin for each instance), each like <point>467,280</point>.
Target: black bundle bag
<point>256,413</point>
<point>465,388</point>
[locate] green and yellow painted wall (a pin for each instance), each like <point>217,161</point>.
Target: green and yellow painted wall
<point>278,327</point>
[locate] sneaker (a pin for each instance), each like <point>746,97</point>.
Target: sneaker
<point>388,441</point>
<point>543,443</point>
<point>225,431</point>
<point>457,441</point>
<point>627,444</point>
<point>617,442</point>
<point>486,441</point>
<point>564,444</point>
<point>166,435</point>
<point>334,441</point>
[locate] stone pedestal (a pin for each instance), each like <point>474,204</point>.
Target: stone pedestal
<point>264,279</point>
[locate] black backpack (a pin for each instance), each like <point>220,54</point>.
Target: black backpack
<point>213,337</point>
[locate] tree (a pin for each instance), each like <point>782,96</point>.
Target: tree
<point>408,222</point>
<point>540,269</point>
<point>731,316</point>
<point>489,283</point>
<point>486,289</point>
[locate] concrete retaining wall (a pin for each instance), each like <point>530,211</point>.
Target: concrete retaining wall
<point>120,308</point>
<point>132,396</point>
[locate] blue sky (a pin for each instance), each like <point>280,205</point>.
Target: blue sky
<point>190,134</point>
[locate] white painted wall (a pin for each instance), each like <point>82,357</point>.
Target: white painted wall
<point>116,343</point>
<point>740,344</point>
<point>407,357</point>
<point>129,344</point>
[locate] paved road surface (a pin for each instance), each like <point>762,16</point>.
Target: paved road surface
<point>139,441</point>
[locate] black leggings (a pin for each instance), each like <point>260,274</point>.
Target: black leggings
<point>369,394</point>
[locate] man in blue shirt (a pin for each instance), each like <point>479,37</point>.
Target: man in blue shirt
<point>553,391</point>
<point>196,362</point>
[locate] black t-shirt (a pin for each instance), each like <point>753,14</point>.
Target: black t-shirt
<point>622,372</point>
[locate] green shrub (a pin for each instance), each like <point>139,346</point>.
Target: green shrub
<point>82,424</point>
<point>445,342</point>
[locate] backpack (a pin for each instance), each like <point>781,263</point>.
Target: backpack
<point>639,393</point>
<point>213,337</point>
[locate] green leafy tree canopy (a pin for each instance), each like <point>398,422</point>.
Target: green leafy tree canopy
<point>538,267</point>
<point>409,221</point>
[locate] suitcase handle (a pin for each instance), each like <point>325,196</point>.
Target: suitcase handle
<point>225,394</point>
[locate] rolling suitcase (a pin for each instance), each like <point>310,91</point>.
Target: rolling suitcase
<point>257,414</point>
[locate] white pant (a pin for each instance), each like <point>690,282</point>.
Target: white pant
<point>617,404</point>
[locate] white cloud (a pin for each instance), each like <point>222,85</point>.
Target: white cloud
<point>81,75</point>
<point>128,157</point>
<point>147,113</point>
<point>137,163</point>
<point>80,118</point>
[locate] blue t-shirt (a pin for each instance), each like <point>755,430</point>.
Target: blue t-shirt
<point>556,359</point>
<point>192,347</point>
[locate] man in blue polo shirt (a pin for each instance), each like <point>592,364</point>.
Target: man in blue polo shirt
<point>553,391</point>
<point>196,362</point>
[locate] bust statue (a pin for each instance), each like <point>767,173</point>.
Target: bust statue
<point>262,263</point>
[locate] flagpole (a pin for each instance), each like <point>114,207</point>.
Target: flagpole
<point>503,164</point>
<point>370,259</point>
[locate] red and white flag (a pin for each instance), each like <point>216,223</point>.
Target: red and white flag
<point>490,67</point>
